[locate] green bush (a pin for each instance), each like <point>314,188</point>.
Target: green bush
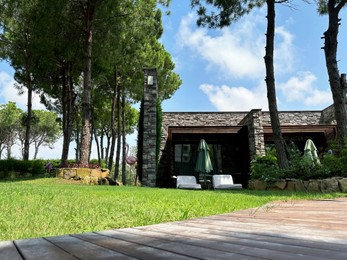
<point>301,166</point>
<point>265,168</point>
<point>22,168</point>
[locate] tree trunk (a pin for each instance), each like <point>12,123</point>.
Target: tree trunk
<point>280,145</point>
<point>36,151</point>
<point>68,104</point>
<point>29,103</point>
<point>116,167</point>
<point>337,84</point>
<point>124,179</point>
<point>112,126</point>
<point>86,100</point>
<point>97,146</point>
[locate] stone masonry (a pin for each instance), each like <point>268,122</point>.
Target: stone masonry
<point>150,128</point>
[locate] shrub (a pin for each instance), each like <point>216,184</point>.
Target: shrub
<point>22,168</point>
<point>301,166</point>
<point>265,168</point>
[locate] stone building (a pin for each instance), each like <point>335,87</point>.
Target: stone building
<point>234,139</point>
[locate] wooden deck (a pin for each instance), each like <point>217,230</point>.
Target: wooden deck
<point>281,230</point>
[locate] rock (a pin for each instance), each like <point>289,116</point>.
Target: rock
<point>90,180</point>
<point>329,185</point>
<point>103,181</point>
<point>99,173</point>
<point>83,172</point>
<point>290,186</point>
<point>313,186</point>
<point>60,172</point>
<point>281,184</point>
<point>343,184</point>
<point>86,180</point>
<point>69,173</point>
<point>299,186</point>
<point>94,180</point>
<point>259,185</point>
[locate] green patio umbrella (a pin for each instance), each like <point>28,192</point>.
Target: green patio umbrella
<point>311,151</point>
<point>203,162</point>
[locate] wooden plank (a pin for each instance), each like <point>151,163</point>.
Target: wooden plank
<point>177,247</point>
<point>129,248</point>
<point>85,250</point>
<point>9,251</point>
<point>255,236</point>
<point>39,248</point>
<point>222,245</point>
<point>282,230</point>
<point>265,243</point>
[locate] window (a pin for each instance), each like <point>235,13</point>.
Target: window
<point>185,156</point>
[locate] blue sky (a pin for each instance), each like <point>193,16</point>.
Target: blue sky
<point>223,70</point>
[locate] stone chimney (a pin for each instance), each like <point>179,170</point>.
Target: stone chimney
<point>149,165</point>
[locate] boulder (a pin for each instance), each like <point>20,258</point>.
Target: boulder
<point>103,181</point>
<point>60,172</point>
<point>90,180</point>
<point>299,186</point>
<point>313,186</point>
<point>290,186</point>
<point>83,172</point>
<point>343,184</point>
<point>281,184</point>
<point>259,185</point>
<point>99,173</point>
<point>329,185</point>
<point>69,173</point>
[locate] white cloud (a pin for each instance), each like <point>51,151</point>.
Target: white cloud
<point>237,51</point>
<point>284,51</point>
<point>301,88</point>
<point>226,98</point>
<point>9,93</point>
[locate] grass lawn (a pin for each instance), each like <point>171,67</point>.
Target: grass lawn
<point>50,206</point>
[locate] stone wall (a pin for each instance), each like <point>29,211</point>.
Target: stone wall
<point>295,118</point>
<point>328,115</point>
<point>254,122</point>
<point>149,165</point>
<point>330,185</point>
<point>198,119</point>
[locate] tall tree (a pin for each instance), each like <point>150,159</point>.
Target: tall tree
<point>338,83</point>
<point>10,124</point>
<point>18,41</point>
<point>230,11</point>
<point>89,9</point>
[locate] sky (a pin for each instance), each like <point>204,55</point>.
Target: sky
<point>224,70</point>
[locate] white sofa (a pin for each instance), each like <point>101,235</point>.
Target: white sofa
<point>187,182</point>
<point>224,182</point>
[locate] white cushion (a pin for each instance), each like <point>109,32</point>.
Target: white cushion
<point>224,182</point>
<point>187,182</point>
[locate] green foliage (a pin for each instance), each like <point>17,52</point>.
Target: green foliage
<point>265,168</point>
<point>301,166</point>
<point>22,168</point>
<point>102,163</point>
<point>53,207</point>
<point>228,11</point>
